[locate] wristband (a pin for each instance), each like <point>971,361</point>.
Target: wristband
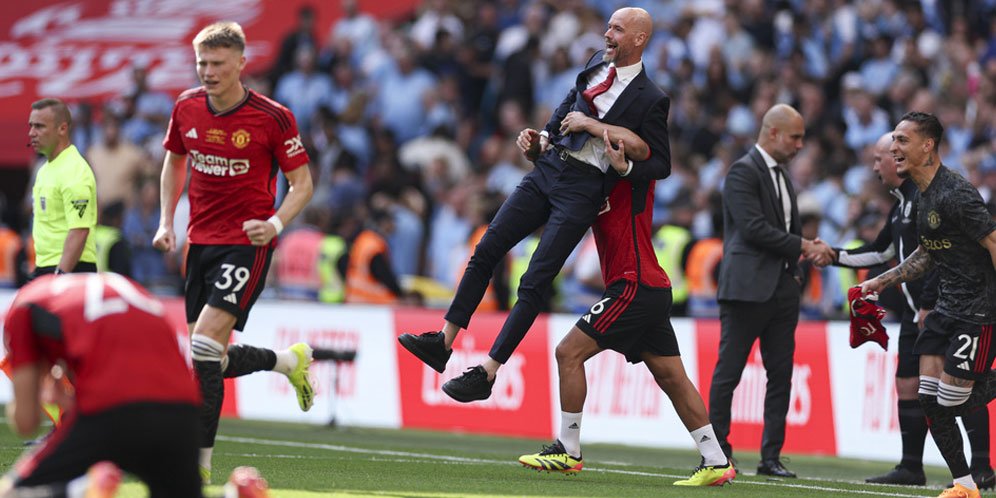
<point>277,224</point>
<point>629,168</point>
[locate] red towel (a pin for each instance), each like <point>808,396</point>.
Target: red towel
<point>866,320</point>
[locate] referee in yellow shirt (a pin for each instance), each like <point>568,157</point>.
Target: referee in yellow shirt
<point>64,195</point>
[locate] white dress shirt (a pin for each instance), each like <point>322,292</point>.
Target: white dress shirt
<point>778,181</point>
<point>593,150</point>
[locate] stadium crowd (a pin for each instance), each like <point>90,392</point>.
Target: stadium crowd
<point>411,128</point>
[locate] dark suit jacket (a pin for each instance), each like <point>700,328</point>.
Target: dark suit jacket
<point>755,243</point>
<point>642,107</point>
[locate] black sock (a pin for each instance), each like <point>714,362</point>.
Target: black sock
<point>244,360</point>
<point>946,434</point>
<point>212,394</point>
<point>913,427</point>
<point>976,425</point>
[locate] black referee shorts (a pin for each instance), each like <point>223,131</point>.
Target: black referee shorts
<point>632,319</point>
<point>156,442</point>
<point>227,277</point>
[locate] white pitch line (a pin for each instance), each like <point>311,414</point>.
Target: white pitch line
<point>406,456</point>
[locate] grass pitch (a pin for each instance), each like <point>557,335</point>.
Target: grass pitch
<point>308,462</point>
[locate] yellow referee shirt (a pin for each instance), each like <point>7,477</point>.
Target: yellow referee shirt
<point>64,197</point>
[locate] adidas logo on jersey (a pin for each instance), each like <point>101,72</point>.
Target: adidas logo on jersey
<point>964,365</point>
<point>192,133</point>
<point>231,298</point>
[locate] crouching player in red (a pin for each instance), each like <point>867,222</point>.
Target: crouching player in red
<point>136,401</point>
<point>633,318</point>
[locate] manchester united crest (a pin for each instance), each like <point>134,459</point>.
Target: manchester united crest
<point>933,220</point>
<point>240,138</point>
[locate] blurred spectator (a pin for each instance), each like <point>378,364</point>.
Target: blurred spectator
<point>118,165</point>
<point>113,253</point>
<point>140,224</point>
<point>306,261</point>
<point>370,279</point>
<point>518,79</point>
<point>301,36</point>
<point>304,89</point>
<point>146,111</point>
<point>359,28</point>
<point>435,16</point>
<point>400,103</point>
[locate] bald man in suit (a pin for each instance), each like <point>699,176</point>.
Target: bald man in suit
<point>759,280</point>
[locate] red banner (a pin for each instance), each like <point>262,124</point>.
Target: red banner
<point>84,51</point>
<point>520,401</point>
<point>809,422</point>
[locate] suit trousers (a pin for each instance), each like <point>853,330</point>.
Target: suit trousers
<point>773,322</point>
<point>564,197</point>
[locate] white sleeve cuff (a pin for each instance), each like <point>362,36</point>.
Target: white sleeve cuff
<point>629,168</point>
<point>545,133</point>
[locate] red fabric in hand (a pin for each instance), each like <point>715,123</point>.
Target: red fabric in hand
<point>866,320</point>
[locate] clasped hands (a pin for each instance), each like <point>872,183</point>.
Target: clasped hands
<point>818,251</point>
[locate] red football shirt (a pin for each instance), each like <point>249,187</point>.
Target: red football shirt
<point>233,158</point>
<point>622,236</point>
<point>112,334</point>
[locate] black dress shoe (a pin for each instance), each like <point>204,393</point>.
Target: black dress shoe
<point>902,476</point>
<point>472,385</point>
<point>984,478</point>
<point>430,347</point>
<point>773,467</point>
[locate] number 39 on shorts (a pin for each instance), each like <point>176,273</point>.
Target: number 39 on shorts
<point>231,274</point>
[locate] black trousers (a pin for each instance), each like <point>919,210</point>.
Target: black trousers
<point>81,267</point>
<point>772,322</point>
<point>567,199</point>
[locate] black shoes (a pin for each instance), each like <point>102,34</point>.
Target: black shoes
<point>984,478</point>
<point>429,347</point>
<point>773,467</point>
<point>472,385</point>
<point>902,476</point>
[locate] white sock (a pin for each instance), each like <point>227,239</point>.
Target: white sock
<point>705,439</point>
<point>570,432</point>
<point>76,488</point>
<point>965,481</point>
<point>205,460</point>
<point>286,361</point>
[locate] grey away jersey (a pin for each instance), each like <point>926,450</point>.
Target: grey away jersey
<point>951,220</point>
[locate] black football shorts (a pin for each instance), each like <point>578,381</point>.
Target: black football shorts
<point>632,319</point>
<point>227,277</point>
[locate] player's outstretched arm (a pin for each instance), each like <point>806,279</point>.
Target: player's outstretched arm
<point>912,268</point>
<point>261,232</point>
<point>171,186</point>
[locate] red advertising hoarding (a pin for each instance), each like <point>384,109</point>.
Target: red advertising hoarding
<point>83,51</point>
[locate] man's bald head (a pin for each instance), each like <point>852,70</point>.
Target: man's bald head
<point>883,164</point>
<point>779,116</point>
<point>782,131</point>
<point>627,35</point>
<point>639,19</point>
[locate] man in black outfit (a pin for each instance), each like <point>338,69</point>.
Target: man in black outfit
<point>759,282</point>
<point>898,239</point>
<point>565,191</point>
<point>958,237</point>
